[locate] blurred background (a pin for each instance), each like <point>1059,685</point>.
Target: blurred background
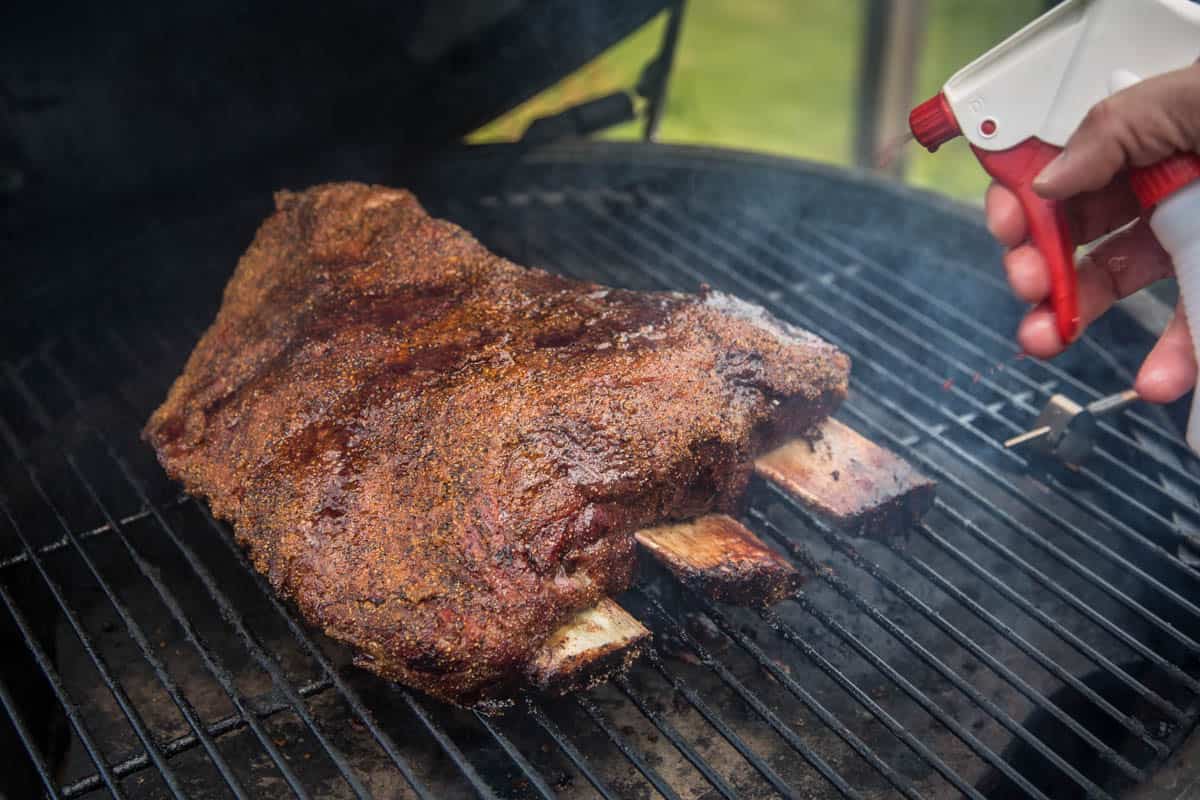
<point>791,78</point>
<point>119,121</point>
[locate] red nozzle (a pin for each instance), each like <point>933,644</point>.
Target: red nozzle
<point>932,123</point>
<point>1157,182</point>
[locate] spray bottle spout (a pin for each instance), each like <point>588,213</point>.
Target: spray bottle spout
<point>933,124</point>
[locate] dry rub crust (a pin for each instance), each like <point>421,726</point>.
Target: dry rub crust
<point>441,456</point>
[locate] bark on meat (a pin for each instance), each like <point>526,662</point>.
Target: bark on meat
<point>440,456</point>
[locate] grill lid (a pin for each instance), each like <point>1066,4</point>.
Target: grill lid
<point>99,102</point>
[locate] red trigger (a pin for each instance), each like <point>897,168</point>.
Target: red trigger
<point>1015,169</point>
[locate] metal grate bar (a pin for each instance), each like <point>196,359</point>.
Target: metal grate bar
<point>828,234</point>
<point>1082,607</point>
<point>27,742</point>
<point>899,782</point>
<point>31,402</point>
<point>718,724</point>
<point>573,755</point>
<point>65,541</point>
<point>212,662</point>
<point>1031,535</point>
<point>110,680</point>
<point>448,746</point>
<point>970,399</point>
<point>352,698</point>
<point>1074,530</point>
<point>527,769</point>
<point>235,620</point>
<point>1013,427</point>
<point>1137,475</point>
<point>1051,624</point>
<point>139,637</point>
<point>842,545</point>
<point>901,732</point>
<point>46,665</point>
<point>915,311</point>
<point>626,749</point>
<point>685,749</point>
<point>1134,726</point>
<point>187,741</point>
<point>915,694</point>
<point>752,699</point>
<point>227,612</point>
<point>928,658</point>
<point>1163,434</point>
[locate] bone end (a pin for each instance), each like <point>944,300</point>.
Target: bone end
<point>593,646</point>
<point>717,556</point>
<point>860,487</point>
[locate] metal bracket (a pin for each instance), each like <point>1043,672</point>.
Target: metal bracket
<point>656,75</point>
<point>612,109</point>
<point>1067,430</point>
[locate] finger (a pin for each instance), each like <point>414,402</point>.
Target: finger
<point>1005,219</point>
<point>1028,273</point>
<point>1038,334</point>
<point>1095,214</point>
<point>1170,369</point>
<point>1091,214</point>
<point>1134,127</point>
<point>1120,266</point>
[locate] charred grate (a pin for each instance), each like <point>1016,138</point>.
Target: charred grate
<point>1034,637</point>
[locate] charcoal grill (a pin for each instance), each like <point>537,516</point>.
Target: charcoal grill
<point>1037,635</point>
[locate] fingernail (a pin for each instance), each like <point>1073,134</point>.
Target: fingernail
<point>1050,172</point>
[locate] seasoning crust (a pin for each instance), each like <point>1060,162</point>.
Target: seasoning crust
<point>440,456</point>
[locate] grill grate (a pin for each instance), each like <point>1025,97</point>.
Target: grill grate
<point>1034,637</point>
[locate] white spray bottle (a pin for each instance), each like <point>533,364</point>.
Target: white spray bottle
<point>1018,104</point>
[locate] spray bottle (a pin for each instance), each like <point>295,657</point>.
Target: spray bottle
<point>1019,103</point>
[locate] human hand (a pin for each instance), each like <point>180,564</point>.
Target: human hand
<point>1136,127</point>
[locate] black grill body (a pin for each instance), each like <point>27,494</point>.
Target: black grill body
<point>1036,636</point>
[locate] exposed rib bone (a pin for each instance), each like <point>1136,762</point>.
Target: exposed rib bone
<point>719,557</point>
<point>588,649</point>
<point>848,479</point>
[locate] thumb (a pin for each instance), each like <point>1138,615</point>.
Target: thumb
<point>1135,127</point>
<point>1170,369</point>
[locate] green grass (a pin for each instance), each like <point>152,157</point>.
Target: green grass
<point>780,76</point>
